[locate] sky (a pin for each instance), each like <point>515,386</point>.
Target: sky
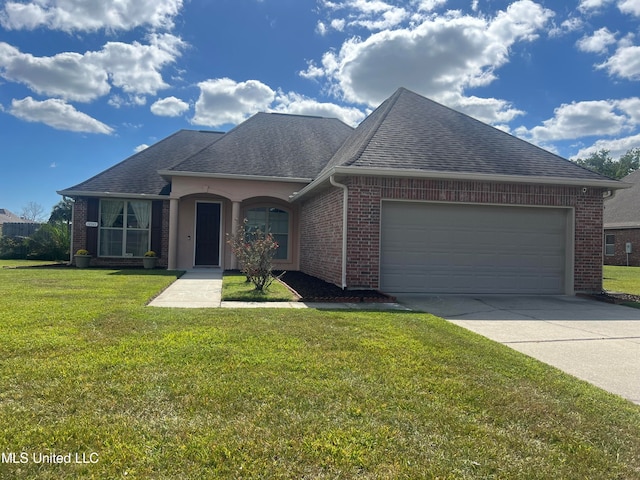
<point>85,84</point>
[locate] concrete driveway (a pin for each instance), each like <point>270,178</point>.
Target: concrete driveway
<point>594,341</point>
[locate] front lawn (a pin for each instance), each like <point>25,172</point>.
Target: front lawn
<point>236,288</point>
<point>160,393</point>
<point>621,279</point>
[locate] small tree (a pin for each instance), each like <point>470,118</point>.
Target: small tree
<point>254,249</point>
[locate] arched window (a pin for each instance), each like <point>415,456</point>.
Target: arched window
<point>274,221</point>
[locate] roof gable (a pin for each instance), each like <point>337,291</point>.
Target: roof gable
<point>621,210</point>
<point>138,174</point>
<point>409,131</point>
<point>271,145</point>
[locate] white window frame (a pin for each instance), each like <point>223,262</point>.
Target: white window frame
<point>125,229</point>
<point>609,247</point>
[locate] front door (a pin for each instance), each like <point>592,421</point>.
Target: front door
<point>207,234</point>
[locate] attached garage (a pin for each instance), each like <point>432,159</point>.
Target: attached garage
<point>469,248</point>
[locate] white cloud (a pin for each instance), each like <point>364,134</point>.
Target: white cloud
<point>57,114</point>
<point>169,107</point>
<point>140,148</point>
<point>440,57</point>
<point>83,15</point>
<point>369,14</point>
<point>223,101</point>
<point>625,63</point>
<point>598,42</point>
<point>297,104</point>
<point>68,75</point>
<point>590,5</point>
<point>616,147</point>
<point>135,68</point>
<point>630,6</point>
<point>583,119</point>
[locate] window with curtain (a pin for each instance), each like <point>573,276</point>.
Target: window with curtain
<point>274,221</point>
<point>124,228</point>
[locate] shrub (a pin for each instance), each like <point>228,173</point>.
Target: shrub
<point>254,250</point>
<point>50,242</point>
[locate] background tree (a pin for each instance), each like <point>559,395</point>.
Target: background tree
<point>33,211</point>
<point>602,163</point>
<point>61,212</point>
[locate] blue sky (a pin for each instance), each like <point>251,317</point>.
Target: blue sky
<point>84,85</point>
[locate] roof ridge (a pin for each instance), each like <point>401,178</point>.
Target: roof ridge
<point>391,101</point>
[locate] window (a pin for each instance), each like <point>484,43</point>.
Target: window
<point>609,244</point>
<point>274,221</point>
<point>124,228</point>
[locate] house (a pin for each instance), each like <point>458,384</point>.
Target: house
<point>14,225</point>
<point>622,224</point>
<point>417,198</point>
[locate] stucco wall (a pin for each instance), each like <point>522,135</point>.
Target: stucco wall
<point>322,220</point>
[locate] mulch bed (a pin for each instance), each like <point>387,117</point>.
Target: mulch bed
<point>613,297</point>
<point>312,289</point>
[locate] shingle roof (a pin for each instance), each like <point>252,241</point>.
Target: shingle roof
<point>138,173</point>
<point>9,217</point>
<point>272,145</point>
<point>409,131</point>
<point>621,210</point>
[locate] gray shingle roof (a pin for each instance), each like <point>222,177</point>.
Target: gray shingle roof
<point>7,216</point>
<point>621,210</point>
<point>409,131</point>
<point>272,145</point>
<point>138,173</point>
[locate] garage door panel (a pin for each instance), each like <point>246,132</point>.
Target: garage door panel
<point>446,248</point>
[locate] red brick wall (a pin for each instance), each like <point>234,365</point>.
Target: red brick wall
<point>366,193</point>
<point>80,238</point>
<point>321,236</point>
<point>622,236</point>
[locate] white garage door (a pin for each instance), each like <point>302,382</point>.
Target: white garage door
<point>445,248</point>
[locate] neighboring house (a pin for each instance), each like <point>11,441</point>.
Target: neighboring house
<point>417,198</point>
<point>14,226</point>
<point>622,224</point>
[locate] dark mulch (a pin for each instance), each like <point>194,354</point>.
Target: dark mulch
<point>613,297</point>
<point>312,289</point>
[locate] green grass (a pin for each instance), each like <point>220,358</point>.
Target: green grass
<point>263,393</point>
<point>621,279</point>
<point>236,288</point>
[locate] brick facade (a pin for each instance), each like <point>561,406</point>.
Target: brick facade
<point>81,241</point>
<point>321,235</point>
<point>622,237</point>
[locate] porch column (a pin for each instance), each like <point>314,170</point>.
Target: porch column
<point>235,220</point>
<point>173,233</point>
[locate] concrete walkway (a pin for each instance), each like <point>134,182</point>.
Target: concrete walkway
<point>202,288</point>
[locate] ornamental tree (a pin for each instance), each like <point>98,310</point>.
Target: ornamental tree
<point>254,250</point>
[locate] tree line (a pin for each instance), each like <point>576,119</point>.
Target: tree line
<point>49,242</point>
<point>601,162</point>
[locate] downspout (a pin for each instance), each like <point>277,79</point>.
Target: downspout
<point>345,199</point>
<point>71,228</point>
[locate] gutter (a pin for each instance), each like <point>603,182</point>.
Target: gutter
<point>81,193</point>
<point>442,175</point>
<point>345,209</point>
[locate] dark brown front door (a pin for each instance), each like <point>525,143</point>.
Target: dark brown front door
<point>207,234</point>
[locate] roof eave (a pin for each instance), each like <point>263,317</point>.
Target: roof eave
<point>168,174</point>
<point>434,174</point>
<point>87,193</point>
